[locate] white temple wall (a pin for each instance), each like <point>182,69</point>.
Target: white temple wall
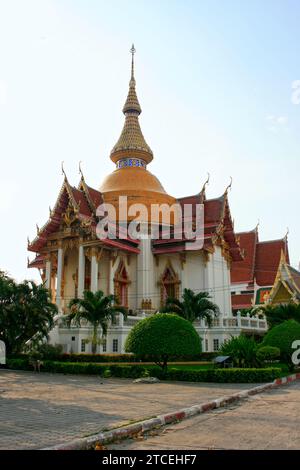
<point>217,281</point>
<point>193,273</point>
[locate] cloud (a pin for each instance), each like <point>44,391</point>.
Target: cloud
<point>282,120</point>
<point>274,123</point>
<point>296,93</point>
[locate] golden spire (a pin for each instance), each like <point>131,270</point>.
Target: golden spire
<point>131,143</point>
<point>132,103</point>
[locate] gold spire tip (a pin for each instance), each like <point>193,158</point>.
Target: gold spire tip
<point>132,51</point>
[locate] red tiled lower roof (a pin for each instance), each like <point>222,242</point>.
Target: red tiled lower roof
<point>240,301</point>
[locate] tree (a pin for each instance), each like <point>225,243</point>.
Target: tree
<point>282,336</point>
<point>193,306</point>
<point>97,309</point>
<point>277,314</point>
<point>242,350</point>
<point>161,336</point>
<point>26,312</point>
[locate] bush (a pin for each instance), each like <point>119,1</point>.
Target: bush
<point>161,336</point>
<point>136,371</point>
<point>48,351</point>
<point>97,358</point>
<point>119,358</point>
<point>242,350</point>
<point>268,353</point>
<point>282,336</point>
<point>226,375</point>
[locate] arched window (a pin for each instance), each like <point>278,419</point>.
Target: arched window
<point>121,282</point>
<point>169,284</point>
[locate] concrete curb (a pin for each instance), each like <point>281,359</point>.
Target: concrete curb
<point>118,434</point>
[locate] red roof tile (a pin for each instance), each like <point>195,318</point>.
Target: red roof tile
<point>81,202</point>
<point>240,301</point>
<point>243,271</point>
<point>267,260</point>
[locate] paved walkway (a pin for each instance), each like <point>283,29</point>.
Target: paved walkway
<point>40,410</point>
<point>267,421</point>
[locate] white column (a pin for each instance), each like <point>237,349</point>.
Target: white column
<point>48,274</point>
<point>94,273</point>
<point>60,259</point>
<point>121,320</point>
<point>145,270</point>
<point>81,271</point>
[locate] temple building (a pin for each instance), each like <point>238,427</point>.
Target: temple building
<point>286,286</point>
<point>264,264</point>
<point>143,272</point>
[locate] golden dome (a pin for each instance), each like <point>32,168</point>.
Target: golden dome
<point>139,185</point>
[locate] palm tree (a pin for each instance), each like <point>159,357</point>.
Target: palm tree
<point>26,313</point>
<point>97,309</point>
<point>277,314</point>
<point>193,306</point>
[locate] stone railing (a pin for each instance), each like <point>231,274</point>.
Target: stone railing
<point>245,323</point>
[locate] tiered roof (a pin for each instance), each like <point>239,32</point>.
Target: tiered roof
<point>84,201</point>
<point>258,268</point>
<point>218,227</point>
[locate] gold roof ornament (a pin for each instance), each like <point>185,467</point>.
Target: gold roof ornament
<point>131,142</point>
<point>80,170</point>
<point>229,186</point>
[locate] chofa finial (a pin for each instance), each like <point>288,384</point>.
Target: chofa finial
<point>63,170</point>
<point>205,184</point>
<point>80,170</point>
<point>229,186</point>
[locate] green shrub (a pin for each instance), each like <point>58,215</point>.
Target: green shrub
<point>282,336</point>
<point>49,351</point>
<point>242,350</point>
<point>161,336</point>
<point>268,353</point>
<point>135,371</point>
<point>225,375</point>
<point>97,358</point>
<point>120,358</point>
<point>107,373</point>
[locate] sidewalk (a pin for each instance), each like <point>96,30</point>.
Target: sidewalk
<point>43,410</point>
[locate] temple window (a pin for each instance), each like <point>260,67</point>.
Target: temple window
<point>169,285</point>
<point>216,345</point>
<point>121,282</point>
<point>115,345</point>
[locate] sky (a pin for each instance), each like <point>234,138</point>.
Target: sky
<point>219,86</point>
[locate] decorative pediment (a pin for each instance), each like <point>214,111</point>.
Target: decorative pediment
<point>70,215</point>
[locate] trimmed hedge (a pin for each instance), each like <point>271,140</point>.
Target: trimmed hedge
<point>136,371</point>
<point>206,356</point>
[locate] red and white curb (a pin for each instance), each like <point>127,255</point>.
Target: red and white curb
<point>162,420</point>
